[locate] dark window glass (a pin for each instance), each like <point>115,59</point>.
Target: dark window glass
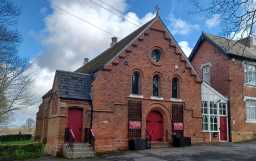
<point>156,81</point>
<point>175,88</point>
<point>136,83</point>
<point>155,55</point>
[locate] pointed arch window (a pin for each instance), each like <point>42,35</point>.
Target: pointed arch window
<point>156,85</point>
<point>175,88</point>
<point>136,83</point>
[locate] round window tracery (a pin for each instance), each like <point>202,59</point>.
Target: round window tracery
<point>156,55</point>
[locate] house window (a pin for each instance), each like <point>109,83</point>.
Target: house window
<point>250,74</point>
<point>156,55</point>
<point>222,108</point>
<point>214,123</point>
<point>136,83</point>
<point>206,74</point>
<point>205,115</point>
<point>156,83</point>
<point>205,122</point>
<point>213,108</point>
<point>251,110</point>
<point>175,88</point>
<point>204,107</point>
<point>209,116</point>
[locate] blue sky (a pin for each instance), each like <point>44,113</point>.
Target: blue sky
<point>54,39</point>
<point>32,20</point>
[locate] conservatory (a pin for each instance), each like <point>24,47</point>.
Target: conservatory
<point>214,114</point>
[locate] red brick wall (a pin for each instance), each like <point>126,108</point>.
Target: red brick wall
<point>112,87</point>
<point>227,77</point>
<point>207,53</point>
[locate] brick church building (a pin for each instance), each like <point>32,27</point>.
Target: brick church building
<point>143,87</point>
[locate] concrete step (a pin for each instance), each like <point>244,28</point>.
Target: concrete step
<point>155,145</point>
<point>78,150</point>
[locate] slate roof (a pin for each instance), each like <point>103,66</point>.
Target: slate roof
<point>71,85</point>
<point>229,47</point>
<point>98,62</point>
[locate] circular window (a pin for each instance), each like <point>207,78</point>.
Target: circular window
<point>156,55</point>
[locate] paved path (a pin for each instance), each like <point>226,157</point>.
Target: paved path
<point>223,152</point>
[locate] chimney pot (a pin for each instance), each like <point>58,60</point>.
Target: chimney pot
<point>114,41</point>
<point>86,60</point>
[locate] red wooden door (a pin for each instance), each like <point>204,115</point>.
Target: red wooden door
<point>75,117</point>
<point>223,128</point>
<point>155,126</point>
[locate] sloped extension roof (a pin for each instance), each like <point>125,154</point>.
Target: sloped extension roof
<point>229,47</point>
<point>98,62</point>
<point>208,93</point>
<point>71,85</point>
<point>108,56</point>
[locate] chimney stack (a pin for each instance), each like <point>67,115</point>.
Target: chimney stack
<point>86,60</point>
<point>114,41</point>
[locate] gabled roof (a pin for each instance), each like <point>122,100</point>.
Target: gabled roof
<point>98,62</point>
<point>228,47</point>
<point>108,55</point>
<point>71,85</point>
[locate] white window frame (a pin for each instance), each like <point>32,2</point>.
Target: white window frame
<point>212,112</point>
<point>250,113</point>
<point>250,74</point>
<point>207,78</point>
<point>222,108</point>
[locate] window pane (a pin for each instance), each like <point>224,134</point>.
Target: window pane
<point>206,73</point>
<point>175,88</point>
<point>213,123</point>
<point>135,82</point>
<point>251,110</point>
<point>213,108</point>
<point>156,54</point>
<point>250,74</point>
<point>156,80</point>
<point>205,122</point>
<point>204,107</point>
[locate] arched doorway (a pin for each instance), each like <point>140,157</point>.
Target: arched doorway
<point>155,126</point>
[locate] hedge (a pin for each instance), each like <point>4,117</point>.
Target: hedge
<point>16,137</point>
<point>20,152</point>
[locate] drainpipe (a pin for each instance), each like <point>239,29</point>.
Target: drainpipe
<point>229,122</point>
<point>90,103</point>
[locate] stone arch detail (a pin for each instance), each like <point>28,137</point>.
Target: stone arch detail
<point>165,112</point>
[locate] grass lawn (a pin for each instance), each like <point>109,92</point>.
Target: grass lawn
<point>16,142</point>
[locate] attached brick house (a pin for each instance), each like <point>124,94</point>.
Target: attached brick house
<point>230,68</point>
<point>143,87</point>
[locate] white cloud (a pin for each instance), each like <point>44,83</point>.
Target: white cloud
<point>182,27</point>
<point>185,47</point>
<point>68,40</point>
<point>213,21</point>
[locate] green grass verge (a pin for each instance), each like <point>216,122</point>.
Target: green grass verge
<point>18,151</point>
<point>16,142</point>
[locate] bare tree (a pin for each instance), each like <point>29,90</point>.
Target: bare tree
<point>14,80</point>
<point>237,16</point>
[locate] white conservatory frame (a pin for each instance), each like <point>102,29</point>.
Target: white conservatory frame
<point>209,94</point>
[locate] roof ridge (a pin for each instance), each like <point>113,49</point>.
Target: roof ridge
<point>71,72</point>
<point>228,47</point>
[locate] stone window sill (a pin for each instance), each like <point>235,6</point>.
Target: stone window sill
<point>250,121</point>
<point>176,100</point>
<point>156,98</point>
<point>250,85</point>
<point>135,96</point>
